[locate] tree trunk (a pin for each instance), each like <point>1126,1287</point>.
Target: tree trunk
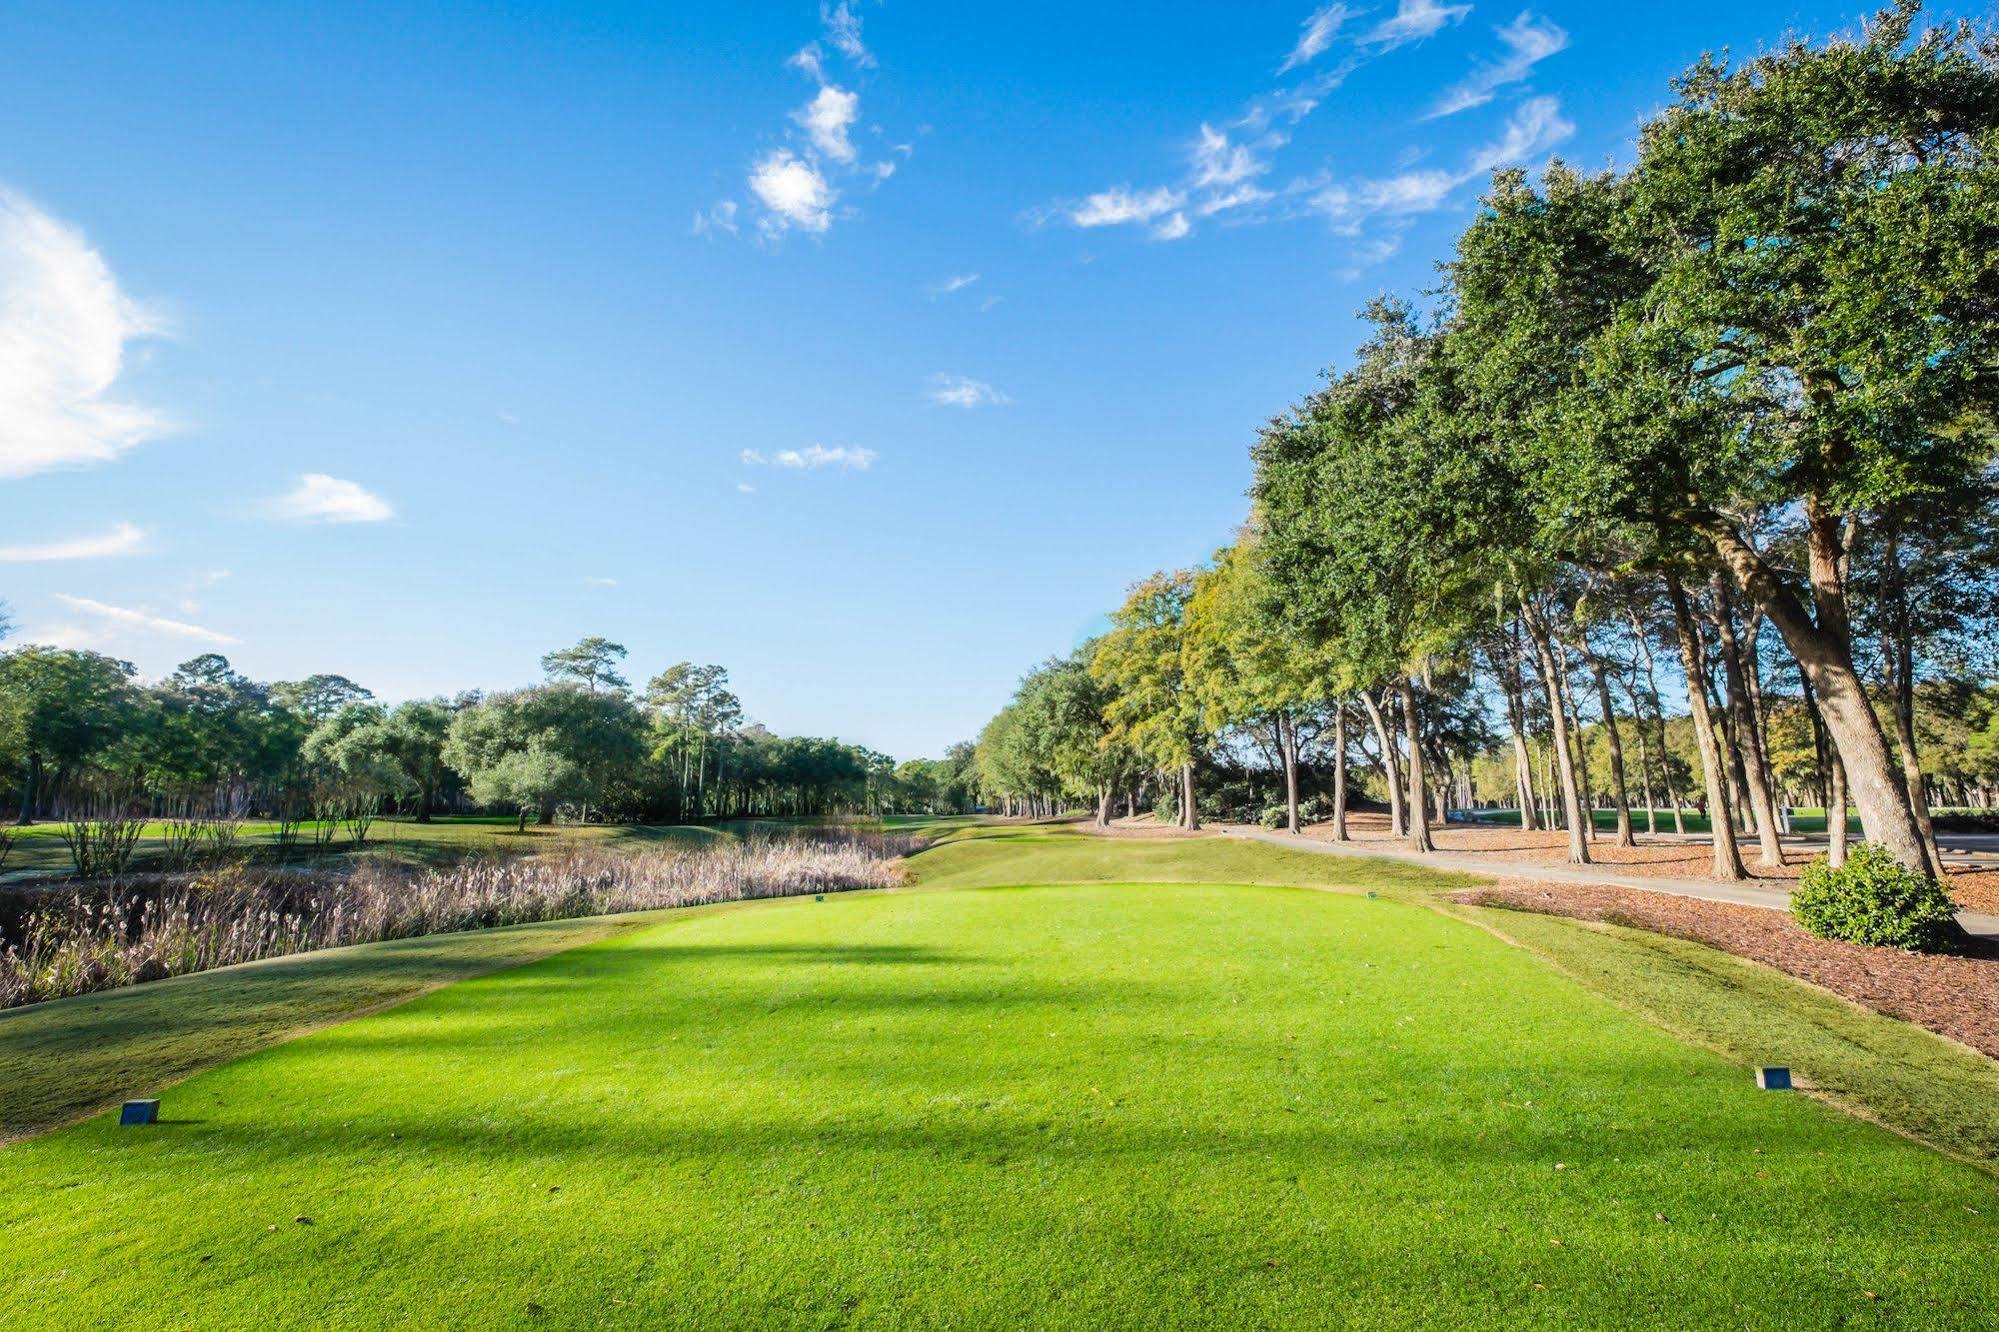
<point>1901,657</point>
<point>1419,812</point>
<point>1645,776</point>
<point>1537,633</point>
<point>1391,770</point>
<point>1287,732</point>
<point>1727,858</point>
<point>1104,806</point>
<point>1190,813</point>
<point>1340,773</point>
<point>1748,734</point>
<point>1616,742</point>
<point>1568,700</point>
<point>30,789</point>
<point>1523,765</point>
<point>1823,647</point>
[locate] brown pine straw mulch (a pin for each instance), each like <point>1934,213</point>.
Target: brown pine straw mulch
<point>1957,997</point>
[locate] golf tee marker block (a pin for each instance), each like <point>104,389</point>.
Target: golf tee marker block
<point>139,1112</point>
<point>1774,1078</point>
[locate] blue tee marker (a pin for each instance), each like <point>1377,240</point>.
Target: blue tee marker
<point>1774,1078</point>
<point>139,1112</point>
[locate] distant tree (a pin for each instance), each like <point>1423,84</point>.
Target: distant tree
<point>65,708</point>
<point>1151,706</point>
<point>693,711</point>
<point>537,749</point>
<point>318,697</point>
<point>592,663</point>
<point>414,737</point>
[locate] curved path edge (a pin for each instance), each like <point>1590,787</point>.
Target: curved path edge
<point>1711,890</point>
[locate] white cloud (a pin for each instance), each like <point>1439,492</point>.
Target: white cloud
<point>956,282</point>
<point>1243,196</point>
<point>1217,161</point>
<point>1411,191</point>
<point>589,580</point>
<point>1174,227</point>
<point>1535,126</point>
<point>1412,21</point>
<point>319,498</point>
<point>1315,35</point>
<point>722,217</point>
<point>963,391</point>
<point>810,459</point>
<point>746,488</point>
<point>793,190</point>
<point>843,29</point>
<point>64,326</point>
<point>141,620</point>
<point>811,60</point>
<point>1119,205</point>
<point>124,539</point>
<point>827,118</point>
<point>1528,40</point>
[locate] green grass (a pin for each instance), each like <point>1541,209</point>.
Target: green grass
<point>1080,1105</point>
<point>39,848</point>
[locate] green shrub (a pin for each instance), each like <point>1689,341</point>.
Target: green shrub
<point>1873,899</point>
<point>1275,816</point>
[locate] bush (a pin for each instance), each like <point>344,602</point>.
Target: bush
<point>1873,899</point>
<point>1275,817</point>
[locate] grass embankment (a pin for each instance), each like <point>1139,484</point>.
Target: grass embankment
<point>1073,1105</point>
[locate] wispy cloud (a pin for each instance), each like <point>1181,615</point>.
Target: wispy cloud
<point>1121,204</point>
<point>843,30</point>
<point>1227,159</point>
<point>722,217</point>
<point>955,283</point>
<point>144,621</point>
<point>1217,160</point>
<point>124,539</point>
<point>1528,40</point>
<point>811,459</point>
<point>1412,21</point>
<point>64,329</point>
<point>592,580</point>
<point>1315,35</point>
<point>964,391</point>
<point>319,498</point>
<point>1535,126</point>
<point>795,182</point>
<point>827,118</point>
<point>794,191</point>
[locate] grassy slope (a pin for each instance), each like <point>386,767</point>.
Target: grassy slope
<point>62,1060</point>
<point>1873,1066</point>
<point>1072,1106</point>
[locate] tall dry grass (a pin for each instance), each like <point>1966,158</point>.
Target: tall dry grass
<point>102,940</point>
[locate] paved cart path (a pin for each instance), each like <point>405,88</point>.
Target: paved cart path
<point>1711,890</point>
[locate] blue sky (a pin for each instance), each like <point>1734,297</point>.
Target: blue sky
<point>869,350</point>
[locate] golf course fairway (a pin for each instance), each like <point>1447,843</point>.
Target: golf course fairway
<point>1085,1105</point>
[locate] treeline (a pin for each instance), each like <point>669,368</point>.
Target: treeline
<point>1683,482</point>
<point>82,738</point>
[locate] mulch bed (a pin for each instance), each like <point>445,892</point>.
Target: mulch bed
<point>1955,996</point>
